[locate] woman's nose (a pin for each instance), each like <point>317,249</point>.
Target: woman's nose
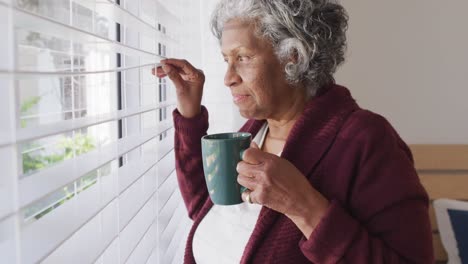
<point>231,78</point>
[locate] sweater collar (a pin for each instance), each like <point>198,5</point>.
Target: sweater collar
<point>315,129</point>
<point>310,138</point>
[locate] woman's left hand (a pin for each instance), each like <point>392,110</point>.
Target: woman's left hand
<point>277,184</point>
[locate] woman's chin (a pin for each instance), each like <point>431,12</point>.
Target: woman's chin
<point>250,114</point>
<point>245,113</point>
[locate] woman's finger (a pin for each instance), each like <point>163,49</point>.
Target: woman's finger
<point>173,75</point>
<point>247,197</point>
<point>247,169</point>
<point>159,72</point>
<point>246,181</point>
<point>253,156</point>
<point>183,65</point>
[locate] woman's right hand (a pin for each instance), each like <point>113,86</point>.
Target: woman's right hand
<point>188,81</point>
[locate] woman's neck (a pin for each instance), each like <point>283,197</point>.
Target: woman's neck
<point>280,126</point>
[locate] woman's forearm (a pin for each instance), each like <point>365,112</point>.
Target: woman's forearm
<point>189,165</point>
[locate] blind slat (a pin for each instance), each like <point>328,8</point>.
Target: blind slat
<point>143,251</point>
<point>166,15</point>
<point>167,212</point>
<point>171,235</point>
<point>8,239</point>
<point>133,171</point>
<point>26,19</point>
<point>135,230</point>
<point>7,182</point>
<point>83,73</point>
<point>130,143</point>
<point>179,257</point>
<point>82,185</point>
<point>32,133</point>
<point>154,257</point>
<point>166,190</point>
<point>82,207</point>
<point>88,243</point>
<point>174,246</point>
<point>123,16</point>
<point>111,253</point>
<point>44,235</point>
<point>131,200</point>
<point>166,168</point>
<point>137,195</point>
<point>48,180</point>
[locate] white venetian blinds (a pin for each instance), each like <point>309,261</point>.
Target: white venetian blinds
<point>86,138</point>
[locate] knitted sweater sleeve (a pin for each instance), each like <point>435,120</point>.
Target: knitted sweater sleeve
<point>386,220</point>
<point>189,165</point>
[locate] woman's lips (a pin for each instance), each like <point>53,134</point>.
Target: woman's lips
<point>240,98</point>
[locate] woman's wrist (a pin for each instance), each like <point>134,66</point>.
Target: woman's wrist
<point>194,126</point>
<point>189,111</point>
<point>308,219</point>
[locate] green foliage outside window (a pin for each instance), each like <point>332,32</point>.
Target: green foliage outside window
<point>69,147</point>
<point>26,106</point>
<point>79,144</point>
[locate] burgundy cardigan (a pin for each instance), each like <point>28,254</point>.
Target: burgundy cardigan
<point>378,209</point>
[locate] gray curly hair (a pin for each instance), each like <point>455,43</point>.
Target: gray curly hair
<point>314,31</point>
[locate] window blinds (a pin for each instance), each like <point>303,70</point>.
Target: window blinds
<point>86,138</point>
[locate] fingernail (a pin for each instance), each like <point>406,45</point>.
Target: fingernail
<point>242,154</point>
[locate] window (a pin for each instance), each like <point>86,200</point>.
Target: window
<point>86,142</point>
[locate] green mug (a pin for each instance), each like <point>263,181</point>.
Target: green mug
<point>221,153</point>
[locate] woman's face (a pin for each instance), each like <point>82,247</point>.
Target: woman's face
<point>254,74</point>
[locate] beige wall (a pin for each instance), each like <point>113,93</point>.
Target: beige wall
<point>408,60</point>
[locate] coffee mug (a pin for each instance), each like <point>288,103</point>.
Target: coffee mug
<point>221,153</point>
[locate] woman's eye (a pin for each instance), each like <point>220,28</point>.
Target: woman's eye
<point>239,58</point>
<point>243,58</point>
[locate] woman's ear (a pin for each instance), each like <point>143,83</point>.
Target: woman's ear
<point>294,58</point>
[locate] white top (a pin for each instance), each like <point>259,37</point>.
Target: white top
<point>224,232</point>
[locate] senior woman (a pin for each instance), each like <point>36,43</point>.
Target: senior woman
<point>328,181</point>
